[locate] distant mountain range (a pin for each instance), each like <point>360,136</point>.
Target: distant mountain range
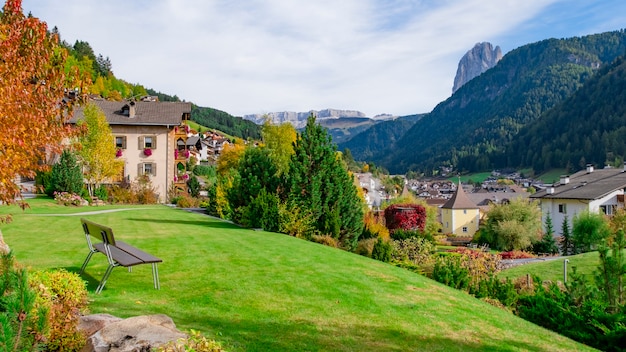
<point>298,119</point>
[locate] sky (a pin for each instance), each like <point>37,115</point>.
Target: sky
<point>395,57</point>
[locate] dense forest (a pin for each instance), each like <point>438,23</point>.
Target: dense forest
<point>588,127</point>
<point>96,72</point>
<point>472,128</point>
<point>379,137</point>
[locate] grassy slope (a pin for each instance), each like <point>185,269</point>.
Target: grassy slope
<point>259,291</point>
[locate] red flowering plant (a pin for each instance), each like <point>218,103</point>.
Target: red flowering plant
<point>405,217</point>
<point>118,153</point>
<point>175,153</point>
<point>186,153</point>
<point>147,152</point>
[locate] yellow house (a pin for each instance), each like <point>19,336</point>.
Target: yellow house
<point>459,215</point>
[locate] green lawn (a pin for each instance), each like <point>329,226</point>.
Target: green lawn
<point>552,270</point>
<point>476,177</point>
<point>260,291</point>
<point>552,175</point>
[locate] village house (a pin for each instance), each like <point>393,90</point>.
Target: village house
<point>459,215</point>
<point>598,191</point>
<point>151,138</point>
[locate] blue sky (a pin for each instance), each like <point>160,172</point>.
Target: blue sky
<point>396,57</point>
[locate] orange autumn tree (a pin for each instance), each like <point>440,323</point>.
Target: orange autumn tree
<point>32,88</point>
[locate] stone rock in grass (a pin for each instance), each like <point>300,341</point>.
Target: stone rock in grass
<point>90,324</point>
<point>142,333</point>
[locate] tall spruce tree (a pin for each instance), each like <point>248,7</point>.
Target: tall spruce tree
<point>567,247</point>
<point>547,245</point>
<point>321,185</point>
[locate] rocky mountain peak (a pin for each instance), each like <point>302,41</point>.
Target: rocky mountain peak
<point>476,61</point>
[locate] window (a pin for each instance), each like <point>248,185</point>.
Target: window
<point>606,209</point>
<point>464,211</point>
<point>120,142</point>
<point>147,169</point>
<point>464,228</point>
<point>562,208</point>
<point>148,142</point>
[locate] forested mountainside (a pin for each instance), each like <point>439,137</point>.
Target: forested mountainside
<point>382,136</point>
<point>484,115</point>
<point>587,127</point>
<point>98,76</point>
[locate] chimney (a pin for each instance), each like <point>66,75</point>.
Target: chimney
<point>550,190</point>
<point>589,168</point>
<point>564,179</point>
<point>131,109</point>
<point>624,169</point>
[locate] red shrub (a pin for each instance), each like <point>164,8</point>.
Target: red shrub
<point>405,216</point>
<point>516,255</point>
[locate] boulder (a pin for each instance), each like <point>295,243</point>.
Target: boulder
<point>90,324</point>
<point>142,333</point>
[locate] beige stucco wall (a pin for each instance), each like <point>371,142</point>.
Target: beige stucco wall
<point>162,156</point>
<point>453,221</point>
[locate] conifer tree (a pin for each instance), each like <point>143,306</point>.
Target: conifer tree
<point>566,238</point>
<point>66,175</point>
<point>547,243</point>
<point>321,185</point>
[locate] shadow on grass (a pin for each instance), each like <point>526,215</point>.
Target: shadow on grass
<point>209,222</point>
<point>303,335</point>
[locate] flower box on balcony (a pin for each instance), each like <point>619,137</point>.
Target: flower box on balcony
<point>147,152</point>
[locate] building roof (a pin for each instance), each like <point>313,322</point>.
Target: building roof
<point>145,113</point>
<point>459,200</point>
<point>586,184</point>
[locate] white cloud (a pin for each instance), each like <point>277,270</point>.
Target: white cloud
<point>256,56</point>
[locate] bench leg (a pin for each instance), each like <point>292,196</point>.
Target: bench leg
<point>104,279</point>
<point>82,268</point>
<point>155,276</point>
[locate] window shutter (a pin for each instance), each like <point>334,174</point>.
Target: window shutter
<point>141,144</point>
<point>139,169</point>
<point>124,142</point>
<point>154,172</point>
<point>154,140</point>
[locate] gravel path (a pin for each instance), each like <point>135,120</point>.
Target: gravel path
<point>94,212</point>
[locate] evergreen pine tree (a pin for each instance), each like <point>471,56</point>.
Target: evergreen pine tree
<point>567,247</point>
<point>66,175</point>
<point>547,243</point>
<point>320,185</point>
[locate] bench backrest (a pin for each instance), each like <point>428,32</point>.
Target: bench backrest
<point>100,232</point>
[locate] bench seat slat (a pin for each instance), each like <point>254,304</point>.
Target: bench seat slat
<point>145,257</point>
<point>123,258</point>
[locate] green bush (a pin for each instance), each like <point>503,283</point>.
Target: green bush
<point>205,170</point>
<point>382,250</point>
<point>417,251</point>
<point>365,247</point>
<point>64,295</point>
<point>449,271</point>
<point>43,184</point>
<point>101,193</point>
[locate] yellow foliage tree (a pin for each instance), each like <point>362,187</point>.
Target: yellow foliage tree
<point>279,141</point>
<point>32,88</point>
<point>98,149</point>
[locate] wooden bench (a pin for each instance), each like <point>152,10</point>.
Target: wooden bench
<point>100,239</point>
